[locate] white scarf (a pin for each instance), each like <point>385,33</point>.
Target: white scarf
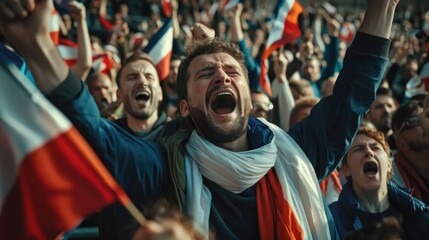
<point>237,171</point>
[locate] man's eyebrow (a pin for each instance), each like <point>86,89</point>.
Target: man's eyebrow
<point>230,65</point>
<point>207,67</point>
<point>131,73</point>
<point>357,146</point>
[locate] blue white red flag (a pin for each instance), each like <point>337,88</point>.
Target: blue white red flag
<point>49,176</point>
<point>285,30</point>
<point>160,48</point>
<point>69,53</point>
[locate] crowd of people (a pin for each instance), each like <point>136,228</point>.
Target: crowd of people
<point>341,145</point>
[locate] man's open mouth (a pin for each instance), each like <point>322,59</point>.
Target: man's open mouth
<point>223,103</point>
<point>142,96</point>
<point>370,168</point>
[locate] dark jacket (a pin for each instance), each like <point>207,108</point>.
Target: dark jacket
<point>415,214</point>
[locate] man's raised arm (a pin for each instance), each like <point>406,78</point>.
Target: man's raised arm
<point>25,24</point>
<point>379,17</point>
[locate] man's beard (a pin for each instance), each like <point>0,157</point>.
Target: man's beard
<point>385,126</point>
<point>141,115</point>
<point>217,134</point>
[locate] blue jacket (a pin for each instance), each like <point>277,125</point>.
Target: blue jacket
<point>142,167</point>
<point>414,212</point>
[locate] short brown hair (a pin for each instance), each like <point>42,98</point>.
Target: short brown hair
<point>211,46</point>
<point>132,58</point>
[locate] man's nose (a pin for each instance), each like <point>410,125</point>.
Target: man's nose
<point>221,77</point>
<point>369,152</point>
<point>142,79</point>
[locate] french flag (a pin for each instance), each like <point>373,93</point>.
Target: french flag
<point>160,48</point>
<point>68,51</point>
<point>285,30</point>
<point>49,176</point>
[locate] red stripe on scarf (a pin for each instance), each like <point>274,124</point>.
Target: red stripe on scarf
<point>412,178</point>
<point>276,218</point>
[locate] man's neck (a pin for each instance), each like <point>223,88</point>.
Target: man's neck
<point>373,202</point>
<point>240,144</point>
<point>142,125</point>
<point>237,145</point>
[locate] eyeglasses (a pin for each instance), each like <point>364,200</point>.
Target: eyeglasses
<point>411,122</point>
<point>257,106</point>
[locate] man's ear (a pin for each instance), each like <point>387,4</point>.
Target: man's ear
<point>184,108</point>
<point>160,94</point>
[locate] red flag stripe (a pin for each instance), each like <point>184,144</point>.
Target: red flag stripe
<point>68,51</point>
<point>54,27</point>
<point>277,218</point>
<point>166,7</point>
<point>50,177</point>
<point>161,53</point>
<point>163,67</point>
<point>47,190</point>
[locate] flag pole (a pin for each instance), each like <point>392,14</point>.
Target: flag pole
<point>136,214</point>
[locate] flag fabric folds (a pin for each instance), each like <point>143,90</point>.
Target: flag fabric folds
<point>68,51</point>
<point>160,48</point>
<point>49,176</point>
<point>285,30</point>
